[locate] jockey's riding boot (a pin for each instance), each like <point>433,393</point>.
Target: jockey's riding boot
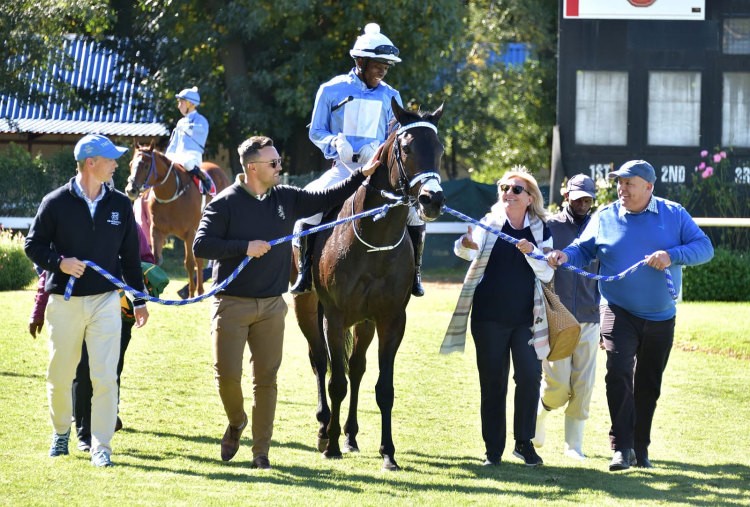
<point>304,275</point>
<point>417,234</point>
<point>205,185</point>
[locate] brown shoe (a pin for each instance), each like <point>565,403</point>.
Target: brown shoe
<point>261,462</point>
<point>230,444</point>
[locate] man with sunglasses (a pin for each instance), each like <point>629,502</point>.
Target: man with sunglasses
<point>350,120</point>
<point>250,311</point>
<point>637,313</point>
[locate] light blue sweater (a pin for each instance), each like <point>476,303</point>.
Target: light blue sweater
<point>619,240</point>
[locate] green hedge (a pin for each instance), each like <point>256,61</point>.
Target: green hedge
<point>725,278</point>
<point>16,270</point>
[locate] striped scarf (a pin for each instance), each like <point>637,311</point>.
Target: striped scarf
<point>455,336</point>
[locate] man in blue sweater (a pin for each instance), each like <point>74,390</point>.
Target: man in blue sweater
<point>637,315</point>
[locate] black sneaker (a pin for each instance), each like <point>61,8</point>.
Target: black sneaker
<point>524,450</point>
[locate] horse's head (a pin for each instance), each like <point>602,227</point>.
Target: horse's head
<point>417,151</point>
<point>142,171</point>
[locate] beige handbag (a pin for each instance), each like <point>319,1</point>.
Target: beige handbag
<point>564,329</point>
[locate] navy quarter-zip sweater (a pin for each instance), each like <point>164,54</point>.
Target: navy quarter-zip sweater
<point>63,227</point>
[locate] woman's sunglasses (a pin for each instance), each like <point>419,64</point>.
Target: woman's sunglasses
<point>516,189</point>
<point>273,163</point>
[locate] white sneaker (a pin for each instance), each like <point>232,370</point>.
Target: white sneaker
<point>574,438</point>
<point>101,458</point>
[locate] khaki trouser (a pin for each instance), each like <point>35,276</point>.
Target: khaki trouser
<point>259,323</point>
<point>95,319</point>
<point>571,380</point>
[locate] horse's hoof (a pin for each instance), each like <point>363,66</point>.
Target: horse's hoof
<point>332,455</point>
<point>350,447</point>
<point>322,444</point>
<point>390,465</point>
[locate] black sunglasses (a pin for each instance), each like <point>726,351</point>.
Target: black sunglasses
<point>385,49</point>
<point>273,163</point>
<point>517,189</point>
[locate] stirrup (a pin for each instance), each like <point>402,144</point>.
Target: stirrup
<point>303,283</point>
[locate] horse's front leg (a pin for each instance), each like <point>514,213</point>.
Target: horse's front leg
<point>189,263</point>
<point>390,334</point>
<point>363,334</point>
<point>310,322</point>
<point>336,338</point>
<point>157,243</point>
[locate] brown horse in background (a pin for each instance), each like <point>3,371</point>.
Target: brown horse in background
<point>175,206</point>
<point>363,273</point>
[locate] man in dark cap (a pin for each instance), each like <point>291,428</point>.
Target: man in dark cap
<point>637,315</point>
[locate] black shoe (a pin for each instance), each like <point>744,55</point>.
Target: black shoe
<point>525,450</point>
<point>230,443</point>
<point>84,445</point>
<point>261,462</point>
<point>622,460</point>
<point>641,460</point>
<point>417,289</point>
<point>118,424</point>
<point>492,460</point>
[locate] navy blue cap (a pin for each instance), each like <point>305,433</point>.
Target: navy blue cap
<point>633,168</point>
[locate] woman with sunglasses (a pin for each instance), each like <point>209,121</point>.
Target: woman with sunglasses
<point>350,120</point>
<point>499,289</point>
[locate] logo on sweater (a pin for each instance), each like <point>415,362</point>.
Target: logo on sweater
<point>115,218</point>
<point>280,212</point>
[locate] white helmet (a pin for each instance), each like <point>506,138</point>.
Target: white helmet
<point>373,44</point>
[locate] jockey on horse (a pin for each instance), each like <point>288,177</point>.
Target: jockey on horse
<point>188,140</point>
<point>350,120</point>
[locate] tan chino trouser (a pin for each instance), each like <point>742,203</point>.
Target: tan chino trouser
<point>259,323</point>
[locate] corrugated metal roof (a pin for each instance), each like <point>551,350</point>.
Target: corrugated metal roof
<point>127,111</point>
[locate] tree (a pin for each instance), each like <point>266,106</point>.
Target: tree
<point>504,113</point>
<point>258,63</point>
<point>33,33</point>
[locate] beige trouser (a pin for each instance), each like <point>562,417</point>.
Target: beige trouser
<point>259,323</point>
<point>571,380</point>
<point>95,319</point>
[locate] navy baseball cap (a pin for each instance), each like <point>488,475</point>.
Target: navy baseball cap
<point>95,145</point>
<point>633,168</point>
<point>580,186</point>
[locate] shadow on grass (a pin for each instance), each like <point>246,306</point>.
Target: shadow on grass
<point>668,482</point>
<point>35,376</point>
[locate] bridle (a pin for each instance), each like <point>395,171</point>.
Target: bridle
<point>404,185</point>
<point>152,174</point>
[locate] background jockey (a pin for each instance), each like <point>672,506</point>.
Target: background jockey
<point>350,120</point>
<point>188,140</point>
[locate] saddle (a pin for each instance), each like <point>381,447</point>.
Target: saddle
<point>198,183</point>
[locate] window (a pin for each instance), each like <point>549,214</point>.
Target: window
<point>736,36</point>
<point>674,108</point>
<point>602,108</point>
<point>735,110</point>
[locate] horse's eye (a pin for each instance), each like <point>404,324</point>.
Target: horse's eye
<point>406,148</point>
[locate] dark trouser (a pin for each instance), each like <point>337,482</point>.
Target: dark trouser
<point>637,354</point>
<point>83,390</point>
<point>494,345</point>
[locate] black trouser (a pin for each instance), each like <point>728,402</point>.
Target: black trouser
<point>495,345</point>
<point>83,390</point>
<point>637,354</point>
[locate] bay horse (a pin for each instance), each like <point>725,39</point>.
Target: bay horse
<point>175,207</point>
<point>363,273</point>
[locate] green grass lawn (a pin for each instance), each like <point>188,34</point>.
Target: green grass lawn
<point>168,452</point>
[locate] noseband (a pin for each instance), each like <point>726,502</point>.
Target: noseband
<point>179,188</point>
<point>404,183</point>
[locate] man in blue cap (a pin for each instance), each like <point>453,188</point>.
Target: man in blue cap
<point>637,316</point>
<point>86,220</point>
<point>188,141</point>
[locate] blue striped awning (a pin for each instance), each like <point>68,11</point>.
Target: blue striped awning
<point>127,110</point>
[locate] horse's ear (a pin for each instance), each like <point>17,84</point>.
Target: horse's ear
<point>151,145</point>
<point>398,111</point>
<point>435,116</point>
